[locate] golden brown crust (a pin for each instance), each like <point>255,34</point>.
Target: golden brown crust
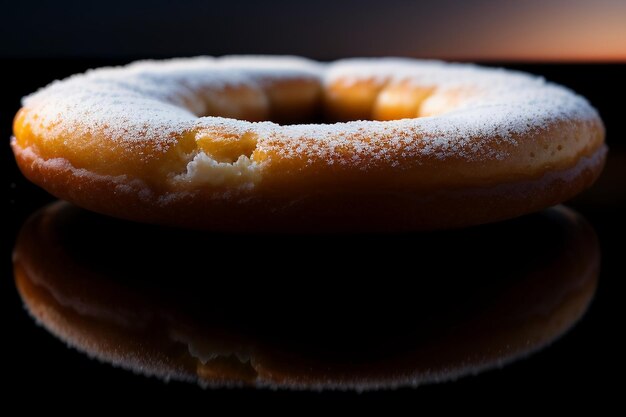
<point>315,212</point>
<point>473,145</point>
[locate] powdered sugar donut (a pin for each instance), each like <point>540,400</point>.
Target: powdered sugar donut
<point>404,144</point>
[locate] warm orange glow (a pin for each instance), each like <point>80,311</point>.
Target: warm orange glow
<point>573,30</point>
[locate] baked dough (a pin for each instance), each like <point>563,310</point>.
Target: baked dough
<point>401,144</point>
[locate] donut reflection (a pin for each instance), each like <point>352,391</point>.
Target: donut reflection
<point>305,312</point>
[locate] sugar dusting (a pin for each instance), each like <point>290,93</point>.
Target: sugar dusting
<point>151,103</point>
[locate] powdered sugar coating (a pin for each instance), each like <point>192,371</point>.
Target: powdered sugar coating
<point>150,104</point>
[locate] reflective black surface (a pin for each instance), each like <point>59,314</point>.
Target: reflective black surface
<point>306,312</point>
<point>574,369</point>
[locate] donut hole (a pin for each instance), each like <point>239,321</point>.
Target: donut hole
<point>302,101</point>
<point>288,101</point>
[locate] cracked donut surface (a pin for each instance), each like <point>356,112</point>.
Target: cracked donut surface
<point>288,144</point>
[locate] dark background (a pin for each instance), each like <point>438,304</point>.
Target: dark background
<point>43,41</point>
<point>553,30</point>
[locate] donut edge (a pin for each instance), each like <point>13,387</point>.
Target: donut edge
<point>131,199</point>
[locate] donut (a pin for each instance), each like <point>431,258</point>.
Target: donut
<point>287,144</point>
<point>116,304</point>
